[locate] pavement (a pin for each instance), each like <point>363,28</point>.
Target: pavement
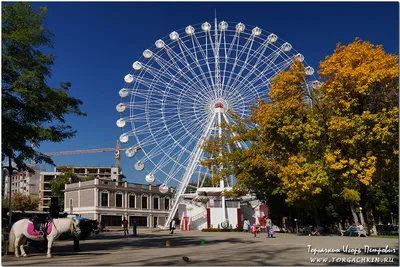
<point>217,249</point>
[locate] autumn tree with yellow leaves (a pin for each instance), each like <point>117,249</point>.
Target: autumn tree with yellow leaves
<point>360,102</point>
<point>339,151</point>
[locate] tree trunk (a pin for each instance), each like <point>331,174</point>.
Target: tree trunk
<point>353,211</point>
<point>371,225</point>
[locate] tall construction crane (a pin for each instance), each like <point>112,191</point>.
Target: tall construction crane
<point>116,150</point>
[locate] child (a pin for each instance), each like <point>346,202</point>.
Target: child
<point>254,229</point>
<point>271,232</point>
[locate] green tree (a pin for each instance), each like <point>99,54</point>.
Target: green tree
<point>57,185</point>
<point>32,111</point>
<point>90,177</point>
<point>20,201</point>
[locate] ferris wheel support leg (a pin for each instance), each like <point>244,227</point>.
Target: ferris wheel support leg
<point>188,174</point>
<point>221,183</point>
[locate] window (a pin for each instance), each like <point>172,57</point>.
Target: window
<point>132,201</point>
<point>140,220</point>
<point>104,198</point>
<point>118,200</point>
<point>48,178</point>
<point>155,203</point>
<point>167,203</point>
<point>144,202</point>
<point>109,220</point>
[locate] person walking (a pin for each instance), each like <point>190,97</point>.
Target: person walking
<point>254,229</point>
<point>268,222</point>
<point>172,226</point>
<point>125,225</point>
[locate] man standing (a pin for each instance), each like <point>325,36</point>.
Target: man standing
<point>134,226</point>
<point>172,226</point>
<point>268,222</point>
<point>125,225</point>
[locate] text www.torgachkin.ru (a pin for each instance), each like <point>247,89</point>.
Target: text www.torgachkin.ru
<point>351,259</point>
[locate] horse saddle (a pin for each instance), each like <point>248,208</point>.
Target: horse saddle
<point>40,225</point>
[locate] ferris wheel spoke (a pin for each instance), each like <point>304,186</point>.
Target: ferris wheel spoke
<point>244,66</point>
<point>162,84</point>
<point>239,54</point>
<point>232,44</point>
<point>206,59</point>
<point>201,85</point>
<point>199,67</point>
<point>191,86</point>
<point>158,134</point>
<point>198,149</point>
<point>161,88</point>
<point>270,72</point>
<point>218,63</point>
<point>226,61</point>
<point>169,85</point>
<point>213,77</point>
<point>177,166</point>
<point>153,85</point>
<point>258,54</point>
<point>180,71</point>
<point>269,62</point>
<point>167,158</point>
<point>188,65</point>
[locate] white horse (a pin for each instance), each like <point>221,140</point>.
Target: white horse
<point>23,229</point>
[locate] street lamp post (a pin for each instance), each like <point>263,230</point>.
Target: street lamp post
<point>297,228</point>
<point>391,215</point>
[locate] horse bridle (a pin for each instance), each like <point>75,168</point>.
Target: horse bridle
<point>76,232</point>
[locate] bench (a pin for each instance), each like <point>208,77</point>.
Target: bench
<point>360,231</point>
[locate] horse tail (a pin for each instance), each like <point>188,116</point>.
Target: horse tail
<point>11,240</point>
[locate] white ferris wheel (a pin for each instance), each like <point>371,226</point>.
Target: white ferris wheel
<point>178,93</point>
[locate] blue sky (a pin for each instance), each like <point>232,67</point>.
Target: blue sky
<point>96,44</point>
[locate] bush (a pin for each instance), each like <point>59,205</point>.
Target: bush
<point>221,230</point>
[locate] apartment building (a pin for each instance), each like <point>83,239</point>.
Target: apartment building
<point>45,194</point>
<point>110,201</point>
<point>24,182</point>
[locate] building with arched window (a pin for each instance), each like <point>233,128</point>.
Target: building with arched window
<point>110,201</point>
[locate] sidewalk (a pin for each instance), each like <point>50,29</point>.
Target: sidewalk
<point>205,249</point>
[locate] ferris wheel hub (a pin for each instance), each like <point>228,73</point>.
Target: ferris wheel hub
<point>218,105</point>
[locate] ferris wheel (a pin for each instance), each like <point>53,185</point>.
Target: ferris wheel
<point>179,92</point>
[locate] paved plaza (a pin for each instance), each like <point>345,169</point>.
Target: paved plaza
<point>229,249</point>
